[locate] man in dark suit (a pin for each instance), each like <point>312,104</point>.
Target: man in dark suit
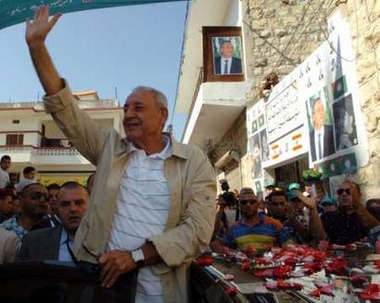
<point>54,243</point>
<point>321,137</point>
<point>227,64</point>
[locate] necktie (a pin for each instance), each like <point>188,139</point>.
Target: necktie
<point>319,146</point>
<point>225,67</point>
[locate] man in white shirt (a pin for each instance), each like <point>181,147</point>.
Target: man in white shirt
<point>5,164</point>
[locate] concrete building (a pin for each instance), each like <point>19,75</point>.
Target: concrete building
<point>32,138</point>
<point>293,52</point>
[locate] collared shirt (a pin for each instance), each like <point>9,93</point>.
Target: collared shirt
<point>13,225</point>
<point>191,179</point>
<point>142,211</point>
<point>65,242</point>
<point>266,233</point>
<point>223,62</point>
<point>4,178</point>
<point>318,139</point>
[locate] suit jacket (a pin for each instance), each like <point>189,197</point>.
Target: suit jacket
<point>236,67</point>
<point>328,143</point>
<point>41,244</point>
<point>9,243</point>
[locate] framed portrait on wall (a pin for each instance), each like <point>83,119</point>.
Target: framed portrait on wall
<point>223,54</point>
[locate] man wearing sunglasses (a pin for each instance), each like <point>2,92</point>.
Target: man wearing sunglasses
<point>72,204</point>
<point>255,229</point>
<point>351,222</point>
<point>34,206</point>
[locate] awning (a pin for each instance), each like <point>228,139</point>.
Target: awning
<point>17,11</point>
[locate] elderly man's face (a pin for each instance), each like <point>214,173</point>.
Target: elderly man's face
<point>318,114</point>
<point>143,117</point>
<point>226,50</point>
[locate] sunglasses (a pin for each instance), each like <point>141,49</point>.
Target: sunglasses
<point>340,191</point>
<point>247,202</point>
<point>38,196</point>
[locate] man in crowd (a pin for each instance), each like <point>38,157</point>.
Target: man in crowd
<point>33,203</point>
<point>329,204</point>
<point>304,226</point>
<point>5,164</point>
<point>29,173</point>
<point>6,204</point>
<point>9,244</point>
<point>54,243</point>
<point>254,229</point>
<point>226,63</point>
<point>160,191</point>
<point>352,221</point>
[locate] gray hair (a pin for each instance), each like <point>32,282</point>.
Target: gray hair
<point>158,95</point>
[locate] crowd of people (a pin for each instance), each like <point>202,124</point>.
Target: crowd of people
<point>151,206</point>
<point>293,216</point>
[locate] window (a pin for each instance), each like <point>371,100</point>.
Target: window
<point>16,139</point>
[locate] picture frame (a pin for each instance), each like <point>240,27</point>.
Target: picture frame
<point>223,54</point>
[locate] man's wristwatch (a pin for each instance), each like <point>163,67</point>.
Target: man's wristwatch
<point>138,257</point>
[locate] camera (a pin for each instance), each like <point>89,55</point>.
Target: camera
<point>228,196</point>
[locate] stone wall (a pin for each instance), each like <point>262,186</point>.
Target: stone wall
<point>364,19</point>
<point>280,34</point>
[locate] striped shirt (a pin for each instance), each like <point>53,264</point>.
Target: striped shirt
<point>12,225</point>
<point>266,233</point>
<point>142,210</point>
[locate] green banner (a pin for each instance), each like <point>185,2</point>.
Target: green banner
<point>17,11</point>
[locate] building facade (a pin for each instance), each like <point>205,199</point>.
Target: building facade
<point>31,138</point>
<point>258,126</point>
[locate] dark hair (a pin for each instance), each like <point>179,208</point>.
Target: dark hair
<point>28,170</point>
<point>73,185</point>
<point>277,191</point>
<point>53,186</point>
<point>5,157</point>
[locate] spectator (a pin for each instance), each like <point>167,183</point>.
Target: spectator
<point>72,204</point>
<point>373,206</point>
<point>29,173</point>
<point>5,164</point>
<point>352,221</point>
<point>254,229</point>
<point>33,202</point>
<point>9,244</point>
<point>307,186</point>
<point>6,204</point>
<point>329,204</point>
<point>154,205</point>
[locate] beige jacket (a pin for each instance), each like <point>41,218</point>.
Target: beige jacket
<point>191,179</point>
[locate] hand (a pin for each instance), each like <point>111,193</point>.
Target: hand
<point>290,212</point>
<point>355,195</point>
<point>37,30</point>
<point>114,263</point>
<point>310,203</point>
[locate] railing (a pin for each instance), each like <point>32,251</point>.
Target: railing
<point>39,151</point>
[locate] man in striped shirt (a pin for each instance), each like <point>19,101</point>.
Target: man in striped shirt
<point>255,229</point>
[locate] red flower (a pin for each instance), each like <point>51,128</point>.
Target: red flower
<point>246,266</point>
<point>205,260</point>
<point>315,293</point>
<point>231,291</point>
<point>372,292</point>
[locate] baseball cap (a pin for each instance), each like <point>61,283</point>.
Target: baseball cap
<point>291,195</point>
<point>294,186</point>
<point>270,184</point>
<point>329,201</point>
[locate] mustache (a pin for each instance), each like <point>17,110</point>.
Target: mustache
<point>132,120</point>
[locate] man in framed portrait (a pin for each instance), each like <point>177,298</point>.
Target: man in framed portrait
<point>225,63</point>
